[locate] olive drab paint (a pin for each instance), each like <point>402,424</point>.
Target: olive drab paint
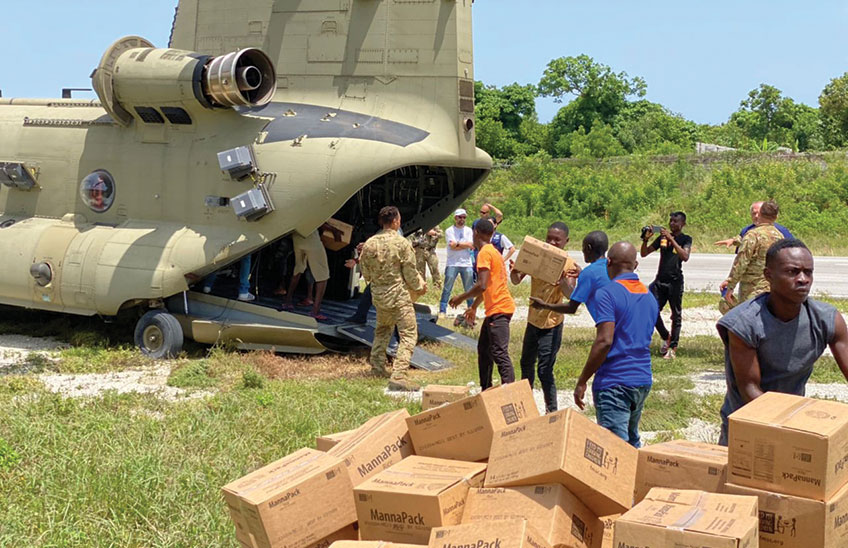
<point>328,97</point>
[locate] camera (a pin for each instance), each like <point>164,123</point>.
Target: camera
<point>650,228</point>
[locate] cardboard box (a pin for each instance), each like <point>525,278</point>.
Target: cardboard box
<point>681,464</point>
<point>402,503</point>
<point>515,533</point>
<point>376,445</point>
<point>348,534</point>
<point>567,448</point>
<point>607,525</point>
<point>541,260</point>
<point>689,519</point>
<point>329,240</point>
<point>373,544</point>
<point>328,441</point>
<point>551,509</point>
<point>435,395</point>
<point>786,521</point>
<point>722,503</point>
<point>463,430</point>
<point>789,444</point>
<point>294,502</point>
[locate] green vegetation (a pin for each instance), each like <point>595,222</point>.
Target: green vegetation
<point>620,198</point>
<point>605,114</point>
<point>142,470</point>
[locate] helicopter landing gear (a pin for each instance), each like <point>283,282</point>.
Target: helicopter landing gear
<point>159,335</point>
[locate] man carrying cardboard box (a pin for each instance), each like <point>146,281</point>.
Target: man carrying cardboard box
<point>493,344</point>
<point>620,358</point>
<point>591,278</point>
<point>772,341</point>
<point>543,334</point>
<point>309,251</point>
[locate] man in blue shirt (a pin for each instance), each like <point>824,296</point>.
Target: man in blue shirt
<point>620,358</point>
<point>755,218</point>
<point>591,278</point>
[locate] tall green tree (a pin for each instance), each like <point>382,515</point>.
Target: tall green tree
<point>506,120</point>
<point>833,107</point>
<point>599,93</point>
<point>766,115</point>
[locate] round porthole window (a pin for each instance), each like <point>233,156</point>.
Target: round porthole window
<point>98,190</point>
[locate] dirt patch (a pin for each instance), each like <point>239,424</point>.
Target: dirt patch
<point>16,349</point>
<point>150,380</point>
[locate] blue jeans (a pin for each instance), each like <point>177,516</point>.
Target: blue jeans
<point>451,272</point>
<point>619,408</point>
<point>244,276</point>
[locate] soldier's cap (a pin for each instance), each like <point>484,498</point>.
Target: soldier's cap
<point>459,212</point>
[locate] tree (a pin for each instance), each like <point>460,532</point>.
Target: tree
<point>833,107</point>
<point>502,116</point>
<point>649,128</point>
<point>600,94</point>
<point>767,116</point>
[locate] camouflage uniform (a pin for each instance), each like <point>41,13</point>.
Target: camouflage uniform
<point>750,261</point>
<point>425,254</point>
<point>387,262</point>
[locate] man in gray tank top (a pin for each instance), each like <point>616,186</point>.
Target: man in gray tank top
<point>772,341</point>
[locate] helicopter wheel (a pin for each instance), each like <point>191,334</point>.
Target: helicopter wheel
<point>159,335</point>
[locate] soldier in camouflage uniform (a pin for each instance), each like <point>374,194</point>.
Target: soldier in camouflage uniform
<point>750,261</point>
<point>387,262</point>
<point>424,244</point>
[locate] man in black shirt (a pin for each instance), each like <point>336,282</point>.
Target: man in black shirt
<point>674,247</point>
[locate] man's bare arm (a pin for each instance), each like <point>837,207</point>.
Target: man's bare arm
<point>839,345</point>
<point>563,308</point>
<point>646,248</point>
<point>476,289</point>
<point>746,368</point>
<point>498,215</point>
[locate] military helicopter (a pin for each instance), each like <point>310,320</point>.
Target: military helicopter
<point>261,119</point>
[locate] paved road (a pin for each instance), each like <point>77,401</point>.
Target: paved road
<point>705,271</point>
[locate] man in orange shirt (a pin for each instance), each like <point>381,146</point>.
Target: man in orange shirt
<point>491,289</point>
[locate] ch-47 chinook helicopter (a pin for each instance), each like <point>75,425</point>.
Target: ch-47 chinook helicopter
<point>260,119</point>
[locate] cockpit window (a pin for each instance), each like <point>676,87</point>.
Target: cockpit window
<point>98,190</point>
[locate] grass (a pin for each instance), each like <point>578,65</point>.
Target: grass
<point>139,470</point>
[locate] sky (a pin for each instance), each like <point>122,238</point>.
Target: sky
<point>699,59</point>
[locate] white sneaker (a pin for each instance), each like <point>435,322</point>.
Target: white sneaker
<point>207,289</point>
<point>247,297</point>
<point>670,355</point>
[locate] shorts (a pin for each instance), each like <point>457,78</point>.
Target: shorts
<point>310,251</point>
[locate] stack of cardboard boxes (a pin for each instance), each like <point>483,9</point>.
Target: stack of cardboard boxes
<point>792,454</point>
<point>487,471</point>
<point>484,470</point>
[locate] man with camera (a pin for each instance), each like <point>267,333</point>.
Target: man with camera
<point>674,247</point>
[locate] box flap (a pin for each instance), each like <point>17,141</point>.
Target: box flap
<point>279,475</point>
<point>689,449</point>
<point>417,475</point>
<point>815,417</point>
<point>509,404</point>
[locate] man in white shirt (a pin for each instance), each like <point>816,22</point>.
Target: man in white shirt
<point>460,240</point>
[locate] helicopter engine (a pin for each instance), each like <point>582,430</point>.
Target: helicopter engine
<point>134,79</point>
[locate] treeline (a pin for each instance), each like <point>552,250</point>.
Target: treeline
<point>607,115</point>
<point>621,197</point>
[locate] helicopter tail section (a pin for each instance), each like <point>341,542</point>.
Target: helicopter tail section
<point>409,61</point>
